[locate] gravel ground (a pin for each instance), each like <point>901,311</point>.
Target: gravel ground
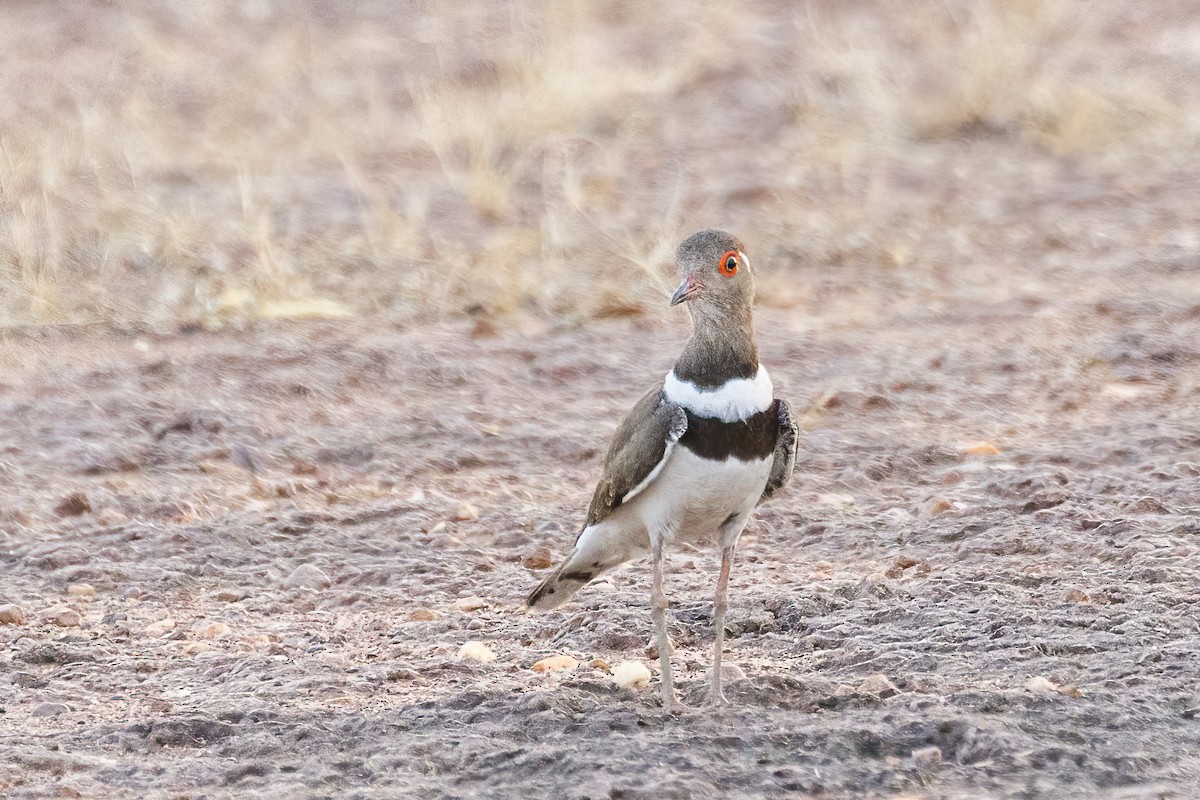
<point>244,562</point>
<point>247,561</point>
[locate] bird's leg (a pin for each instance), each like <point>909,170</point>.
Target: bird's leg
<point>658,610</point>
<point>715,696</point>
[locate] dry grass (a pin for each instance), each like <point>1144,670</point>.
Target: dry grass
<point>218,163</point>
<point>1049,74</point>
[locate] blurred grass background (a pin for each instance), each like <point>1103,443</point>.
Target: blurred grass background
<point>212,163</point>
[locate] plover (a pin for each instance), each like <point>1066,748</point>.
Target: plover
<point>695,455</point>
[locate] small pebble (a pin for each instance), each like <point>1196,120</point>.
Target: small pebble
<point>11,614</point>
<point>476,651</point>
<point>878,685</point>
<point>1040,685</point>
<point>1123,390</point>
<point>465,513</point>
<point>73,505</point>
<point>50,709</point>
<point>422,615</point>
<point>555,663</point>
<point>511,539</point>
<point>160,628</point>
<point>64,617</point>
<point>631,674</point>
<point>81,590</point>
<point>471,603</point>
<point>538,559</point>
<point>1148,505</point>
<point>935,505</point>
<point>307,576</point>
<point>823,571</point>
<point>212,630</point>
<point>836,500</point>
<point>927,757</point>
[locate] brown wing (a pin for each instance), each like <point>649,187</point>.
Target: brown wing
<point>639,447</point>
<point>785,451</point>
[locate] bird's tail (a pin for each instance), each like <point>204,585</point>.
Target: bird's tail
<point>567,578</point>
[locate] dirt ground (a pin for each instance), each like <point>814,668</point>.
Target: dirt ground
<point>239,556</point>
<point>281,526</point>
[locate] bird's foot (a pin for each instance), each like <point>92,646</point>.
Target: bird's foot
<point>672,705</point>
<point>652,647</point>
<point>716,698</point>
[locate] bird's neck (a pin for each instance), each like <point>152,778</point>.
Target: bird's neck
<point>722,348</point>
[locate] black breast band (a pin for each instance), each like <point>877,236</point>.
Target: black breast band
<point>747,440</point>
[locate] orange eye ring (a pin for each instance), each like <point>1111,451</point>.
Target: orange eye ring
<point>728,265</point>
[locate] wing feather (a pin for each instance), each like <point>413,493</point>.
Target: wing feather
<point>639,449</point>
<point>785,451</point>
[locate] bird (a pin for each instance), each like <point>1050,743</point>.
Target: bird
<point>695,456</point>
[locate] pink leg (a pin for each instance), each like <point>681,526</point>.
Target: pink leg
<point>658,610</point>
<point>715,696</point>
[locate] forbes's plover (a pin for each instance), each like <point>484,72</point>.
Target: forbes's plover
<point>695,455</point>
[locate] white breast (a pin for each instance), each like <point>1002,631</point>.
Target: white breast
<point>736,400</point>
<point>693,496</point>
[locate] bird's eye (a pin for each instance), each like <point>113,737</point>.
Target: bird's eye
<point>729,264</point>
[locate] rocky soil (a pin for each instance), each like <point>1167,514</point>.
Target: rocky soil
<point>242,557</point>
<point>245,564</point>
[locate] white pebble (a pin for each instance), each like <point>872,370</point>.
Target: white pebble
<point>1040,685</point>
<point>476,651</point>
<point>471,603</point>
<point>555,663</point>
<point>836,500</point>
<point>160,628</point>
<point>631,674</point>
<point>465,513</point>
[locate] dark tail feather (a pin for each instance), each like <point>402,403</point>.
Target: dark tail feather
<point>560,585</point>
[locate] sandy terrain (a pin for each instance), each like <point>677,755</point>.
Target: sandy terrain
<point>308,505</point>
<point>245,551</point>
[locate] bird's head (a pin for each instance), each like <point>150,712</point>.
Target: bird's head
<point>716,274</point>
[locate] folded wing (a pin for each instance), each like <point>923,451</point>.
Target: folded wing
<point>639,448</point>
<point>784,460</point>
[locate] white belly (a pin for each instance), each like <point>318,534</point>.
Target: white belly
<point>694,498</point>
<point>691,499</point>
